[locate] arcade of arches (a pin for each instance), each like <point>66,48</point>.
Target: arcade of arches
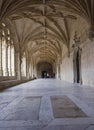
<point>47,37</point>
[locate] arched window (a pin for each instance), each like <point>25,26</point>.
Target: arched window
<point>4,54</point>
<point>12,60</point>
<point>7,54</point>
<point>0,53</point>
<point>9,60</point>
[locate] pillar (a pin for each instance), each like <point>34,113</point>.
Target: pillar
<point>7,72</point>
<point>1,70</point>
<point>27,69</point>
<point>18,65</point>
<point>34,71</point>
<point>30,70</point>
<point>58,71</point>
<point>10,61</point>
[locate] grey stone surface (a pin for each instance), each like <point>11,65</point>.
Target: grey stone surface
<point>26,109</point>
<point>64,107</point>
<point>91,127</point>
<point>46,114</point>
<point>70,127</point>
<point>28,106</point>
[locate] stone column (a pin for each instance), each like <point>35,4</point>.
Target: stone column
<point>30,70</point>
<point>27,69</point>
<point>34,71</point>
<point>18,65</point>
<point>7,72</point>
<point>14,63</point>
<point>74,65</point>
<point>1,70</point>
<point>58,71</point>
<point>80,68</point>
<point>10,61</point>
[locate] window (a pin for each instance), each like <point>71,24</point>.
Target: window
<point>7,55</point>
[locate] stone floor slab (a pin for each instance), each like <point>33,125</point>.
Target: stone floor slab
<point>19,112</point>
<point>26,109</point>
<point>71,127</point>
<point>63,107</point>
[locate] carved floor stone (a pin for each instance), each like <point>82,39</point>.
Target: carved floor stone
<point>63,107</point>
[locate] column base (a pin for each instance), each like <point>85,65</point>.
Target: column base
<point>1,72</point>
<point>7,73</point>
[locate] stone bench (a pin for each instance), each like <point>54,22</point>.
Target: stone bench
<point>11,83</point>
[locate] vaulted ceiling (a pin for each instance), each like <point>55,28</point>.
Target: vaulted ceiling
<point>42,28</point>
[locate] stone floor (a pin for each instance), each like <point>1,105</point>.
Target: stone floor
<point>28,106</point>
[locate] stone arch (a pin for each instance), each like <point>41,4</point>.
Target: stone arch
<point>44,70</point>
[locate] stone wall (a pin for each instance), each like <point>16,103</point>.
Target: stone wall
<point>4,78</point>
<point>67,69</point>
<point>87,57</point>
<point>88,63</point>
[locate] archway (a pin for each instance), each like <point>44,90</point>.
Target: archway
<point>44,70</point>
<point>44,74</point>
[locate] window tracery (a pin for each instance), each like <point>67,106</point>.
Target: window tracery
<point>7,53</point>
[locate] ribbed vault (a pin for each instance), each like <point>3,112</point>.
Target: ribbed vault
<point>41,28</point>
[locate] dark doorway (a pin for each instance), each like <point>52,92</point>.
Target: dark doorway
<point>77,67</point>
<point>44,74</point>
<point>44,70</point>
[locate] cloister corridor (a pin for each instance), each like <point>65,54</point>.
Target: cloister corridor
<point>46,64</point>
<point>47,104</point>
